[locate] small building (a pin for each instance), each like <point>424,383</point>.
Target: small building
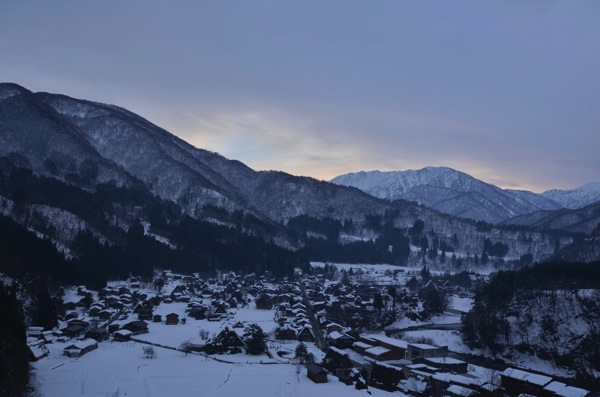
<point>73,331</point>
<point>98,334</point>
<point>105,314</point>
<point>385,376</point>
<point>156,318</point>
<point>122,335</point>
<point>420,351</point>
<point>340,340</point>
<point>560,389</point>
<point>306,335</point>
<point>447,364</point>
<point>515,381</point>
<point>285,333</point>
<point>316,373</point>
<point>338,362</point>
<point>80,348</point>
<point>228,339</point>
<point>137,327</point>
<point>172,319</point>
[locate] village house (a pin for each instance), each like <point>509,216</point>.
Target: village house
<point>338,362</point>
<point>396,348</point>
<point>228,339</point>
<point>447,364</point>
<point>80,348</point>
<point>316,373</point>
<point>416,351</point>
<point>340,340</point>
<point>137,327</point>
<point>384,376</point>
<point>172,319</point>
<point>515,382</point>
<point>306,335</point>
<point>98,334</point>
<point>122,335</point>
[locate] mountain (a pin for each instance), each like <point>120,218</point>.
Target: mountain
<point>582,220</point>
<point>448,191</point>
<point>575,198</point>
<point>107,186</point>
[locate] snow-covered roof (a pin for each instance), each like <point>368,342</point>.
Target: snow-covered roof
<point>444,360</point>
<point>362,345</point>
<point>390,341</point>
<point>460,391</point>
<point>528,377</point>
<point>562,390</point>
<point>80,345</point>
<point>377,350</point>
<point>457,379</point>
<point>422,346</point>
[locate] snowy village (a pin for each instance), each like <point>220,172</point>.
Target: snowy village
<point>343,330</point>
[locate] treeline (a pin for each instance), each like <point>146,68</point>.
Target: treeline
<point>321,239</point>
<point>14,353</point>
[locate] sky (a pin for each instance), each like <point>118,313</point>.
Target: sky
<point>507,91</point>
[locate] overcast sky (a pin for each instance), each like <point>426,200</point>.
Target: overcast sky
<point>507,91</point>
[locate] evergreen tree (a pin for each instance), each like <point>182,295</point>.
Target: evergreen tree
<point>255,340</point>
<point>301,353</point>
<point>377,301</point>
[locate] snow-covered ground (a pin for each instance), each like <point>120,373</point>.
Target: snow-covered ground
<point>120,369</point>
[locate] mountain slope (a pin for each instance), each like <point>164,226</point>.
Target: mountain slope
<point>448,191</point>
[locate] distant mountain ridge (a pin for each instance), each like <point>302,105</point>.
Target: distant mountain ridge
<point>575,198</point>
<point>459,194</point>
<point>70,166</point>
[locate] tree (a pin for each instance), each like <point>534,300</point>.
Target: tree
<point>255,339</point>
<point>149,352</point>
<point>377,301</point>
<point>301,353</point>
<point>412,284</point>
<point>345,279</point>
<point>392,292</point>
<point>186,346</point>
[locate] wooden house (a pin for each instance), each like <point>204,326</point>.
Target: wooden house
<point>285,333</point>
<point>98,334</point>
<point>80,348</point>
<point>172,319</point>
<point>137,327</point>
<point>228,339</point>
<point>515,382</point>
<point>316,373</point>
<point>385,376</point>
<point>306,335</point>
<point>337,362</point>
<point>417,351</point>
<point>73,331</point>
<point>340,340</point>
<point>122,335</point>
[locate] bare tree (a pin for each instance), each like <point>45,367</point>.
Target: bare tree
<point>149,352</point>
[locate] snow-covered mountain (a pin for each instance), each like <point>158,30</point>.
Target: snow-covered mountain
<point>575,198</point>
<point>582,220</point>
<point>92,146</point>
<point>449,191</point>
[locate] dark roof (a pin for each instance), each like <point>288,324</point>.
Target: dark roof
<point>315,369</point>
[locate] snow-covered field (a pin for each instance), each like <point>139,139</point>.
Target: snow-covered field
<point>120,369</point>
